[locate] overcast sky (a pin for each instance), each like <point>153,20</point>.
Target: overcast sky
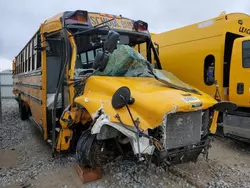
<point>19,19</point>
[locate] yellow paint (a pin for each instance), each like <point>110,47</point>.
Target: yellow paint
<point>213,126</point>
<point>183,50</point>
<point>72,68</point>
<point>152,99</point>
<point>52,24</point>
<point>64,143</point>
<point>14,66</point>
<point>66,116</point>
<point>44,90</point>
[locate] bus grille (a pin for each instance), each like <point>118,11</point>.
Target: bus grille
<point>183,129</point>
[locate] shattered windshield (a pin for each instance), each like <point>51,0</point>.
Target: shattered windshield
<point>127,62</point>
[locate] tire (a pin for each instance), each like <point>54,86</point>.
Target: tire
<point>83,148</point>
<point>23,112</point>
<point>91,153</point>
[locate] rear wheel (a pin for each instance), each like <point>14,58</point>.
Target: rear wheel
<point>23,111</point>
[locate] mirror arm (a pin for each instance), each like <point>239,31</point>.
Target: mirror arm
<point>158,62</point>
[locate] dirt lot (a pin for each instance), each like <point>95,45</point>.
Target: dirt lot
<point>25,161</point>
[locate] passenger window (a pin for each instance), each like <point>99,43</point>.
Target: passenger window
<point>246,54</point>
<point>209,70</point>
<point>83,58</point>
<point>98,50</point>
<point>91,55</point>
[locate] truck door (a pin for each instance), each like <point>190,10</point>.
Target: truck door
<point>239,81</point>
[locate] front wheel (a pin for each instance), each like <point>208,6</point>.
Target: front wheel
<point>94,153</point>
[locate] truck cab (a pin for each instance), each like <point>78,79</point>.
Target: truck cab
<point>212,55</point>
<point>237,123</point>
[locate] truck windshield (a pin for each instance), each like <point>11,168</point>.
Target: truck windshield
<point>126,62</point>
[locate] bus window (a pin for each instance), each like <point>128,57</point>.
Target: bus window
<point>209,67</point>
<point>142,49</point>
<point>246,54</point>
<point>84,63</point>
<point>87,59</point>
<point>123,39</point>
<point>30,56</point>
<point>83,58</point>
<point>98,50</point>
<point>28,63</point>
<point>39,55</point>
<point>91,56</point>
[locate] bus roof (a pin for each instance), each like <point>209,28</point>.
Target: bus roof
<point>55,24</point>
<point>89,19</point>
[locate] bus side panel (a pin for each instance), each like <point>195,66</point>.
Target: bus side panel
<point>36,111</point>
<point>44,88</point>
<point>30,89</point>
<point>186,60</point>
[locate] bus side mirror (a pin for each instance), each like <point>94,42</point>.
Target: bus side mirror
<point>111,42</point>
<point>122,97</point>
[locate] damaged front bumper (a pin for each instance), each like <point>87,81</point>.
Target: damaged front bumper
<point>145,147</point>
<point>184,154</point>
<point>180,136</point>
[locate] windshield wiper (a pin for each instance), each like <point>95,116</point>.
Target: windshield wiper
<point>171,85</point>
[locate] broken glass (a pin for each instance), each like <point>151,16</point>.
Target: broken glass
<point>126,62</point>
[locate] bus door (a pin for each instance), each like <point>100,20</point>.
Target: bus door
<point>239,88</point>
<point>54,61</point>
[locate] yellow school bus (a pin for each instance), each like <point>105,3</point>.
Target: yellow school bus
<point>213,56</point>
<point>82,83</point>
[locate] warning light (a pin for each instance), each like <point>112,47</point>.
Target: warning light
<point>141,26</point>
<point>78,17</point>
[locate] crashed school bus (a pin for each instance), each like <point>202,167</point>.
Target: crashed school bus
<point>214,57</point>
<point>82,83</point>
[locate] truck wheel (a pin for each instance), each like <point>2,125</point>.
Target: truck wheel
<point>22,111</point>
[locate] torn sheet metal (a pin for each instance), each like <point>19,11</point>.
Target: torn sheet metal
<point>163,127</point>
<point>130,132</point>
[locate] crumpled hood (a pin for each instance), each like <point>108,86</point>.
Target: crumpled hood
<point>152,99</point>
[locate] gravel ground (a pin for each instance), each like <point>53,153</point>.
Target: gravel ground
<point>25,161</point>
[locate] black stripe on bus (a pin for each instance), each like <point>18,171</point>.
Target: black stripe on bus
<point>33,73</point>
<point>32,97</point>
<point>29,85</point>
